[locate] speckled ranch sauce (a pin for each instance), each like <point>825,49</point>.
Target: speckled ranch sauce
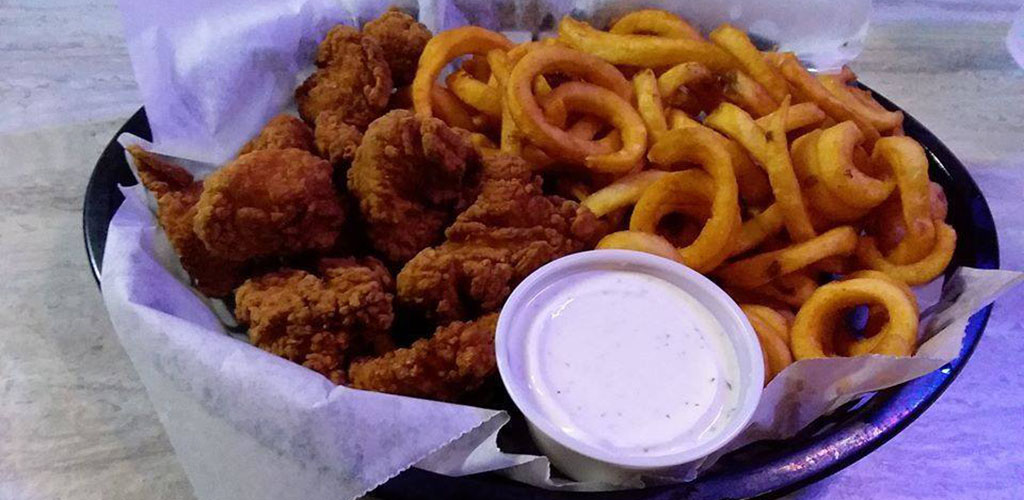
<point>630,364</point>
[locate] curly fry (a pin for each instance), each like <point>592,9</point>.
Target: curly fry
<point>774,349</point>
<point>778,323</point>
<point>817,195</point>
<point>510,140</point>
<point>478,95</point>
<point>678,119</point>
<point>607,97</point>
<point>477,66</point>
<point>906,160</point>
<point>755,271</point>
<point>586,127</point>
<point>450,109</point>
<point>814,332</point>
<point>746,93</point>
<point>640,50</point>
<point>790,289</point>
<point>937,201</point>
<point>840,174</point>
<point>768,148</point>
<point>705,148</point>
<point>806,88</point>
<point>655,22</point>
<point>641,242</point>
<point>916,273</point>
<point>621,193</point>
<point>689,192</point>
<point>737,43</point>
<point>753,182</point>
<point>621,150</point>
<point>680,76</point>
<point>867,109</point>
<point>853,346</point>
<point>800,115</point>
<point>648,103</point>
<point>517,52</point>
<point>443,49</point>
<point>754,231</point>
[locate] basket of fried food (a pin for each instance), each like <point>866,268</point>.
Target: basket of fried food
<point>430,174</point>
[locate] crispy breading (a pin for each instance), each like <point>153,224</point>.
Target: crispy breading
<point>176,194</point>
<point>269,203</point>
<point>336,141</point>
<point>511,230</point>
<point>352,79</point>
<point>320,320</point>
<point>411,175</point>
<point>456,360</point>
<point>402,39</point>
<point>281,132</point>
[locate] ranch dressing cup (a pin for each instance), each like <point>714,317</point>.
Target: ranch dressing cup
<point>626,363</point>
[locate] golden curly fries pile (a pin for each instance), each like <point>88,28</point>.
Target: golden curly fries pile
<point>736,162</point>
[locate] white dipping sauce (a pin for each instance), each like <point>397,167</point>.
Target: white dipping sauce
<point>630,364</point>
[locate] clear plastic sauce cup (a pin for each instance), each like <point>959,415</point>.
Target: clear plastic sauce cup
<point>624,363</point>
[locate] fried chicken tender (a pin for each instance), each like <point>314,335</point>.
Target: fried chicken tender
<point>320,320</point>
<point>458,359</point>
<point>352,79</point>
<point>336,141</point>
<point>511,230</point>
<point>269,203</point>
<point>176,194</point>
<point>281,132</point>
<point>402,39</point>
<point>411,175</point>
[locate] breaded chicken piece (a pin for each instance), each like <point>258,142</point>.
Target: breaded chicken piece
<point>266,203</point>
<point>281,132</point>
<point>411,175</point>
<point>352,79</point>
<point>511,230</point>
<point>458,359</point>
<point>336,141</point>
<point>320,320</point>
<point>176,194</point>
<point>402,39</point>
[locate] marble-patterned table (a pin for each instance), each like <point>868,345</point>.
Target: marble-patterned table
<point>74,419</point>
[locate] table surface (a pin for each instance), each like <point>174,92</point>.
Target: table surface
<point>75,422</point>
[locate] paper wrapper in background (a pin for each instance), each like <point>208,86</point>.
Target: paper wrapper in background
<point>246,424</point>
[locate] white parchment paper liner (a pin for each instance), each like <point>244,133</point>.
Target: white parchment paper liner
<point>247,424</point>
